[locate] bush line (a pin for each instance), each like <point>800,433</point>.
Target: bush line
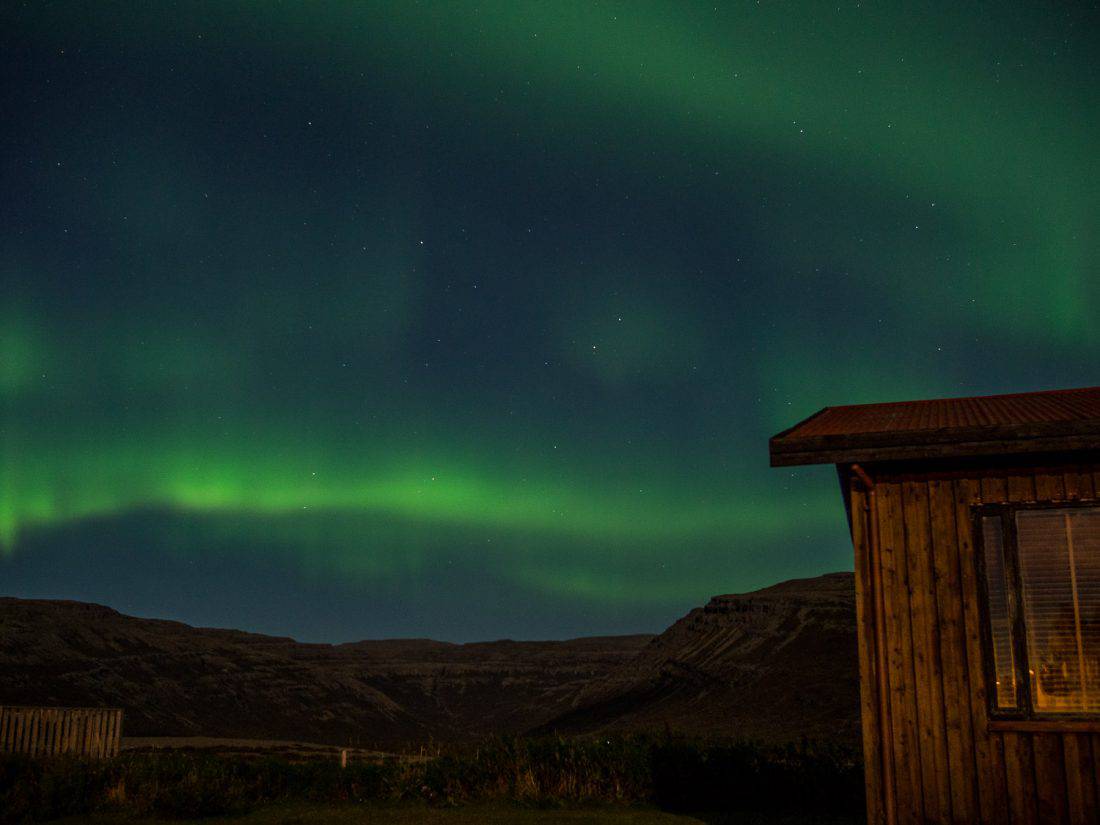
<point>672,773</point>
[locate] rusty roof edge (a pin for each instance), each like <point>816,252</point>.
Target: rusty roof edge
<point>942,435</point>
<point>866,453</point>
<point>803,422</point>
<point>1037,394</point>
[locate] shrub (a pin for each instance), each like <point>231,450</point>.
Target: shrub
<point>676,774</point>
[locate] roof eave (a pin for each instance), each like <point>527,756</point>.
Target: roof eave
<point>793,453</point>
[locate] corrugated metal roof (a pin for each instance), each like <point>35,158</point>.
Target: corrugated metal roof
<point>1023,422</point>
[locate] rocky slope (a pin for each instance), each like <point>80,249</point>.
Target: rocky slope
<point>774,664</point>
<point>177,680</point>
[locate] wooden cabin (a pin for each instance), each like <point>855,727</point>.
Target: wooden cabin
<point>976,527</point>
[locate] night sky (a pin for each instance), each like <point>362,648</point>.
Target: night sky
<point>472,320</point>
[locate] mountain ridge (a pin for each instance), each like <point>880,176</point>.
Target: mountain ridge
<point>735,667</point>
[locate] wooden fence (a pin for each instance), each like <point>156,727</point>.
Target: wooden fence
<point>94,732</point>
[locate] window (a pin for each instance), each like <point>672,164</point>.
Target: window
<point>1041,570</point>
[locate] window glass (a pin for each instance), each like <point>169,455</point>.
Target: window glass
<point>1058,552</point>
<point>999,620</point>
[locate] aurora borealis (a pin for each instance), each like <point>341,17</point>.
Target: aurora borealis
<point>347,320</point>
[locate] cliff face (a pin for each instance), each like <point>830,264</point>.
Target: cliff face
<point>177,680</point>
<point>775,665</point>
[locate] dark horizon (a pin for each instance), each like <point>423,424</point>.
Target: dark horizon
<point>479,641</point>
<point>371,320</point>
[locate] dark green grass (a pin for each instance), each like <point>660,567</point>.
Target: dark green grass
<point>419,814</point>
<point>495,814</point>
<point>541,777</point>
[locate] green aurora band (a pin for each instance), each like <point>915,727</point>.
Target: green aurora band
<point>238,351</point>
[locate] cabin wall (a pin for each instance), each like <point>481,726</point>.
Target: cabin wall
<point>930,752</point>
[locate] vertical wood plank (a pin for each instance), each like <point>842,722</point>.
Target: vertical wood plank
<point>1080,783</point>
<point>35,731</point>
<point>926,659</point>
<point>81,730</point>
<point>1019,755</point>
<point>1082,752</point>
<point>1050,778</point>
<point>89,733</point>
<point>55,729</point>
<point>109,736</point>
<point>65,724</point>
<point>5,722</point>
<point>67,743</point>
<point>47,731</point>
<point>25,734</point>
<point>995,797</point>
<point>51,731</point>
<point>1050,766</point>
<point>32,732</point>
<point>108,723</point>
<point>956,689</point>
<point>868,684</point>
<point>903,711</point>
<point>117,744</point>
<point>1092,473</point>
<point>16,731</point>
<point>118,732</point>
<point>108,733</point>
<point>76,742</point>
<point>97,734</point>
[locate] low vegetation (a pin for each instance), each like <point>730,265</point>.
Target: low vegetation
<point>673,774</point>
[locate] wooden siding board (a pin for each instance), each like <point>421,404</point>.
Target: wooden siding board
<point>1050,766</point>
<point>109,739</point>
<point>926,659</point>
<point>868,685</point>
<point>75,730</point>
<point>117,744</point>
<point>16,730</point>
<point>70,736</point>
<point>97,734</point>
<point>93,732</point>
<point>81,731</point>
<point>32,733</point>
<point>1019,754</point>
<point>1050,777</point>
<point>51,731</point>
<point>1080,782</point>
<point>956,689</point>
<point>905,743</point>
<point>1085,749</point>
<point>997,799</point>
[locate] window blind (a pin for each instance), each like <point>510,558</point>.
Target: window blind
<point>1000,623</point>
<point>1058,557</point>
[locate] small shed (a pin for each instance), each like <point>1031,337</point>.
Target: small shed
<point>976,528</point>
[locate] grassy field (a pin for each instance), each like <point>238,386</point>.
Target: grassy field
<point>543,780</point>
<point>346,814</point>
<point>300,814</point>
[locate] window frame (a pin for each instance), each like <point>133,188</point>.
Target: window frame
<point>1006,512</point>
